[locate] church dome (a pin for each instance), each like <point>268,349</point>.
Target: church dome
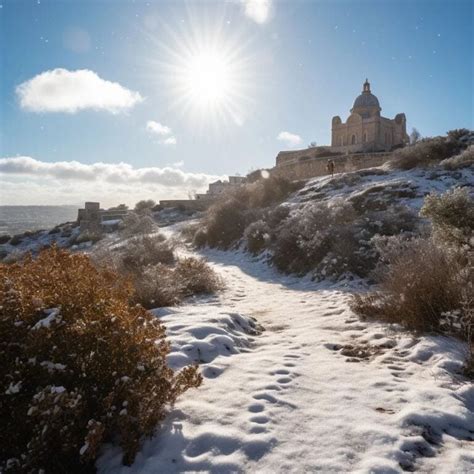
<point>366,99</point>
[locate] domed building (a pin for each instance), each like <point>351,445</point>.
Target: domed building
<point>365,129</point>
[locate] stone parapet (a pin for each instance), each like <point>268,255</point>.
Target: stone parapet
<point>306,167</point>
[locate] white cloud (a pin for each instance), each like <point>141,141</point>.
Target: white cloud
<point>290,139</point>
<point>257,10</point>
<point>26,180</point>
<point>157,128</point>
<point>170,141</point>
<point>60,90</point>
<point>162,131</point>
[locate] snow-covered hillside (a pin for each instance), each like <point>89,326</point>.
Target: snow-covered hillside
<point>315,390</point>
<point>295,382</point>
<point>378,186</point>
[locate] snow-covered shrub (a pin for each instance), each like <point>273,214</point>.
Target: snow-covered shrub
<point>224,223</point>
<point>80,365</point>
<point>143,251</point>
<point>463,160</point>
<point>195,277</point>
<point>226,220</point>
<point>307,236</point>
<point>271,190</point>
<point>135,224</point>
<point>144,207</point>
<point>165,285</point>
<point>257,236</point>
<point>421,283</point>
<point>200,237</point>
<point>452,216</point>
<point>156,286</point>
<point>426,152</point>
<point>86,236</point>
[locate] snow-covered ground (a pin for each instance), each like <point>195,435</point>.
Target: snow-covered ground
<point>294,382</point>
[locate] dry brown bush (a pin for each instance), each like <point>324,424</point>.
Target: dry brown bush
<point>452,216</point>
<point>140,252</point>
<point>421,284</point>
<point>463,160</point>
<point>426,152</point>
<point>156,286</point>
<point>163,285</point>
<point>257,236</point>
<point>80,366</point>
<point>137,224</point>
<point>226,220</point>
<point>224,223</point>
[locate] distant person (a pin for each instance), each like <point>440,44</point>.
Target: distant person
<point>330,167</point>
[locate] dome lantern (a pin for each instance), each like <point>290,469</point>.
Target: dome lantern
<point>366,104</point>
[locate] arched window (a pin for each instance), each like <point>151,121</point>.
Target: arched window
<point>353,140</point>
<point>364,138</point>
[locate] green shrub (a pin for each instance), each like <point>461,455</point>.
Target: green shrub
<point>80,366</point>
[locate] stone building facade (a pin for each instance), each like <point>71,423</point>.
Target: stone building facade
<point>365,129</point>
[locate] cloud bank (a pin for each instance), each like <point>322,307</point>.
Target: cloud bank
<point>257,10</point>
<point>26,180</point>
<point>60,90</point>
<point>290,139</point>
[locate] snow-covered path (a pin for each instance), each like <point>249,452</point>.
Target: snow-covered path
<point>316,391</point>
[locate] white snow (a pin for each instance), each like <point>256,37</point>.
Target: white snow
<point>297,397</point>
<point>53,315</point>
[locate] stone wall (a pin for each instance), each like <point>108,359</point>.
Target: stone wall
<point>310,167</point>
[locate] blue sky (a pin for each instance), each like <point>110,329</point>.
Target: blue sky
<point>293,65</point>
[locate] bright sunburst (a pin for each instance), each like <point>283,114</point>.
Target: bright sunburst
<point>208,79</point>
<point>207,69</point>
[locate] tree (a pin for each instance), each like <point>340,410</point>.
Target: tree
<point>313,145</point>
<point>415,136</point>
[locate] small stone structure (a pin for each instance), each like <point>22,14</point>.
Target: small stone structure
<point>203,201</point>
<point>93,219</point>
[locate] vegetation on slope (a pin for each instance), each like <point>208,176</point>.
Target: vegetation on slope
<point>81,366</point>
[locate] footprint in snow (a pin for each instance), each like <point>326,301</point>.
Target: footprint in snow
<point>256,408</point>
<point>261,419</point>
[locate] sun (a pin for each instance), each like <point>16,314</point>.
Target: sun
<point>208,79</point>
<point>206,69</point>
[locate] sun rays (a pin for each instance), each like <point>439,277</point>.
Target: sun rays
<point>207,69</point>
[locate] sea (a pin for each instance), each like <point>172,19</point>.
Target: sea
<point>18,219</point>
